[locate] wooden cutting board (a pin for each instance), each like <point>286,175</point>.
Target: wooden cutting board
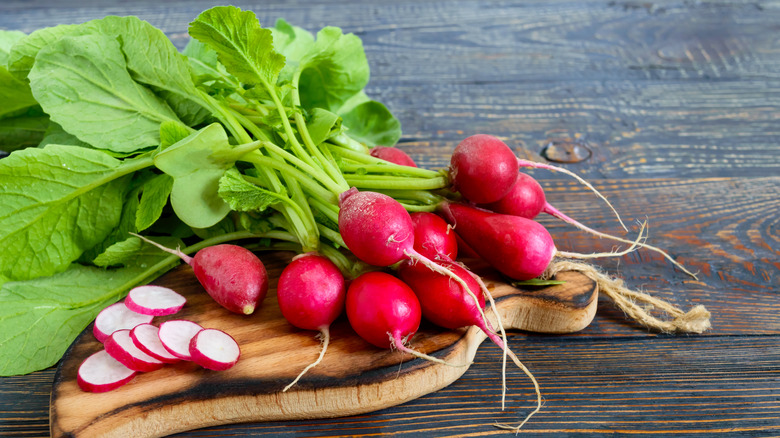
<point>353,378</point>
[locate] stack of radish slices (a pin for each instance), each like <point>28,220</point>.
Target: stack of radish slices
<point>133,344</point>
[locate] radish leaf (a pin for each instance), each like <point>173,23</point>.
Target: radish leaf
<point>7,39</point>
<point>153,199</point>
<point>83,84</point>
<point>50,213</point>
<point>242,195</point>
<point>243,47</point>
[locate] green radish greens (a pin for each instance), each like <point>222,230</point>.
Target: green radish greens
<point>247,133</point>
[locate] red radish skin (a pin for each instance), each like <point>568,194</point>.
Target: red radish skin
<point>101,373</point>
<point>444,302</point>
<point>120,346</point>
<point>311,294</point>
<point>383,310</point>
<point>393,155</point>
<point>154,300</point>
<point>375,227</point>
<point>464,250</point>
<point>517,247</point>
<point>232,275</point>
<point>434,237</point>
<point>483,168</point>
<point>525,199</point>
<point>214,350</point>
<point>116,317</point>
<point>146,338</point>
<point>175,336</point>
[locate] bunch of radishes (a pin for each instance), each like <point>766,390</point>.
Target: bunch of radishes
<point>411,270</point>
<point>132,344</point>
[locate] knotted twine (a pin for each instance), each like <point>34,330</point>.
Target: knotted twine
<point>638,305</point>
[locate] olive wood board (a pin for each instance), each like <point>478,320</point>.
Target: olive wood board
<point>354,377</point>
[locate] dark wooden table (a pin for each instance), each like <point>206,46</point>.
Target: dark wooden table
<point>678,104</point>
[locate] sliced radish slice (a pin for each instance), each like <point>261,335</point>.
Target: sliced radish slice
<point>121,347</point>
<point>214,349</point>
<point>146,338</point>
<point>117,317</point>
<point>101,372</point>
<point>175,336</point>
<point>154,300</point>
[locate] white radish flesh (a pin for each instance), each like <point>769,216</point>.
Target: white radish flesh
<point>154,300</point>
<point>121,347</point>
<point>100,373</point>
<point>176,335</point>
<point>214,349</point>
<point>146,338</point>
<point>117,317</point>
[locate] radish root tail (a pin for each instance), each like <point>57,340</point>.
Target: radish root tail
<point>635,244</point>
<point>500,323</point>
<point>527,163</point>
<point>539,401</point>
<point>549,209</point>
<point>325,336</point>
<point>637,305</point>
<point>507,352</point>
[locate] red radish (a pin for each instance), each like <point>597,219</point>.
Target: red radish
<point>146,338</point>
<point>311,293</point>
<point>116,317</point>
<point>214,349</point>
<point>433,236</point>
<point>154,300</point>
<point>120,346</point>
<point>519,248</point>
<point>176,335</point>
<point>383,310</point>
<point>535,165</point>
<point>526,199</point>
<point>101,372</point>
<point>375,227</point>
<point>233,275</point>
<point>483,168</point>
<point>393,155</point>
